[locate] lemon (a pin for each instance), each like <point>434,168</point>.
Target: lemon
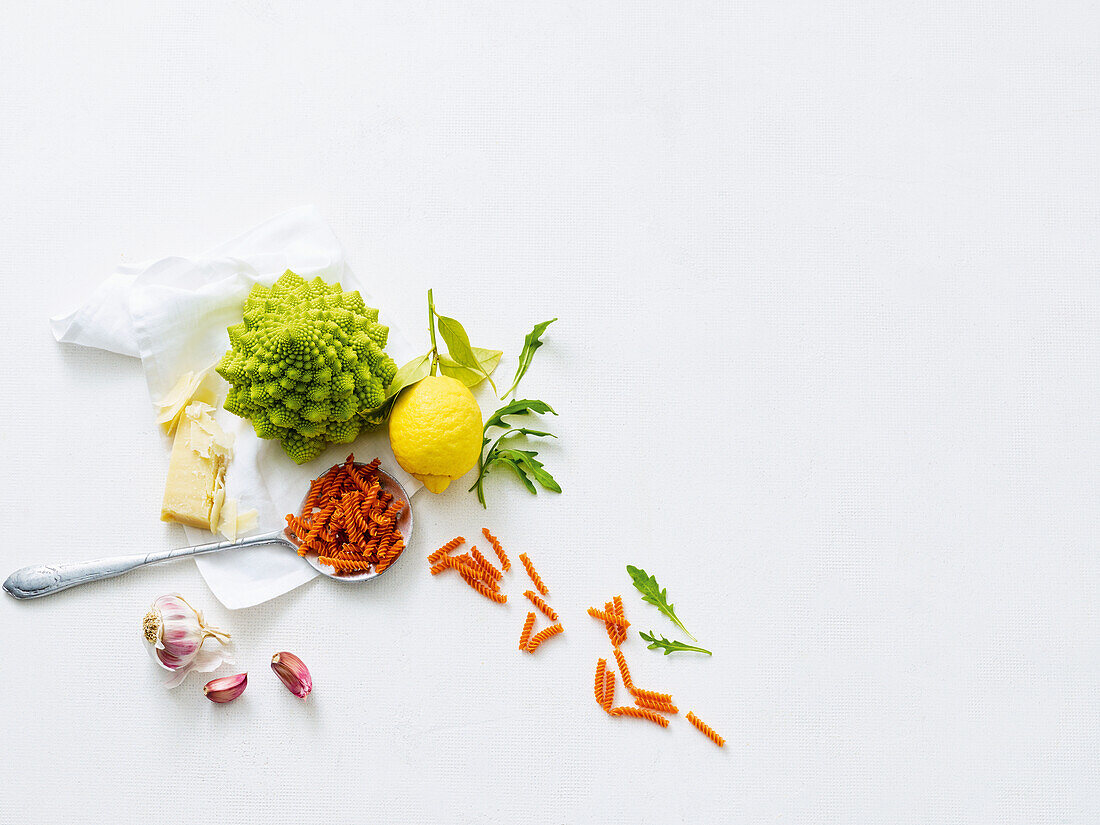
<point>435,431</point>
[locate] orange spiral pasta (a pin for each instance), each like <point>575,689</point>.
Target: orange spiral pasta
<point>608,690</point>
<point>489,537</point>
<point>609,617</point>
<point>546,609</point>
<point>542,636</point>
<point>525,636</point>
<point>483,589</point>
<point>322,519</point>
<point>347,520</point>
<point>624,670</point>
<point>663,707</point>
<point>620,634</point>
<point>353,519</point>
<point>314,495</point>
<point>389,556</point>
<point>601,673</point>
<point>345,565</point>
<point>466,566</point>
<point>328,482</point>
<point>485,565</point>
<point>370,500</point>
<point>640,713</point>
<point>445,549</point>
<point>705,729</point>
<point>611,630</point>
<point>460,564</point>
<point>652,695</point>
<point>533,574</point>
<point>364,478</point>
<point>297,526</point>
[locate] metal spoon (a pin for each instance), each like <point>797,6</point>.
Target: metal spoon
<point>42,580</point>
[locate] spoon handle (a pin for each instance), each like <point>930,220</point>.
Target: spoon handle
<point>43,579</point>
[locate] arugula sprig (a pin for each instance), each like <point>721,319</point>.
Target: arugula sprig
<point>655,595</point>
<point>531,343</point>
<point>524,463</point>
<point>661,643</point>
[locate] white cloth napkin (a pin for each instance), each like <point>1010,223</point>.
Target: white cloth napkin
<point>173,314</point>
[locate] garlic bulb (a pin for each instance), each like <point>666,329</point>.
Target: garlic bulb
<point>177,633</point>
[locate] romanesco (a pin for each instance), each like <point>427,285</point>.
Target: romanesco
<point>305,363</point>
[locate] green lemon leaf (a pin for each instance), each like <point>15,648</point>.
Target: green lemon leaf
<point>487,361</point>
<point>487,358</point>
<point>416,370</point>
<point>457,341</point>
<point>458,346</point>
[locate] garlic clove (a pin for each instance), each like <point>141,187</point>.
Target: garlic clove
<point>293,673</point>
<point>225,689</point>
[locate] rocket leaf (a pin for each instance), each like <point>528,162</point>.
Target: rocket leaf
<point>655,595</point>
<point>661,643</point>
<point>531,343</point>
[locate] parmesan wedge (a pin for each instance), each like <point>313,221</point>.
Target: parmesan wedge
<point>195,490</point>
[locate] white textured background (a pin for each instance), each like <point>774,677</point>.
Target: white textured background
<point>827,363</point>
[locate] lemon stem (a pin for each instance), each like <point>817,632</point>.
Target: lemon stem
<point>431,329</point>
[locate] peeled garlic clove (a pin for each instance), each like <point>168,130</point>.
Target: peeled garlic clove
<point>226,689</point>
<point>293,673</point>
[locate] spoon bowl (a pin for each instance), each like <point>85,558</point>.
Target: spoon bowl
<point>404,525</point>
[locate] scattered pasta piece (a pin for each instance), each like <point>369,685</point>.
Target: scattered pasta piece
<point>624,670</point>
<point>620,631</point>
<point>542,636</point>
<point>482,588</point>
<point>533,574</point>
<point>466,566</point>
<point>546,609</point>
<point>525,636</point>
<point>489,537</point>
<point>485,565</point>
<point>705,729</point>
<point>652,695</point>
<point>601,672</point>
<point>609,617</point>
<point>613,631</point>
<point>662,707</point>
<point>608,690</point>
<point>640,713</point>
<point>454,543</point>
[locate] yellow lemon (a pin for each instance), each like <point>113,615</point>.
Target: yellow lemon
<point>435,431</point>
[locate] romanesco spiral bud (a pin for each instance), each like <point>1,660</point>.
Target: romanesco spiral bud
<point>306,364</point>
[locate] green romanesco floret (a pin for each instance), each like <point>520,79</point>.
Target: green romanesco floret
<point>306,364</point>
